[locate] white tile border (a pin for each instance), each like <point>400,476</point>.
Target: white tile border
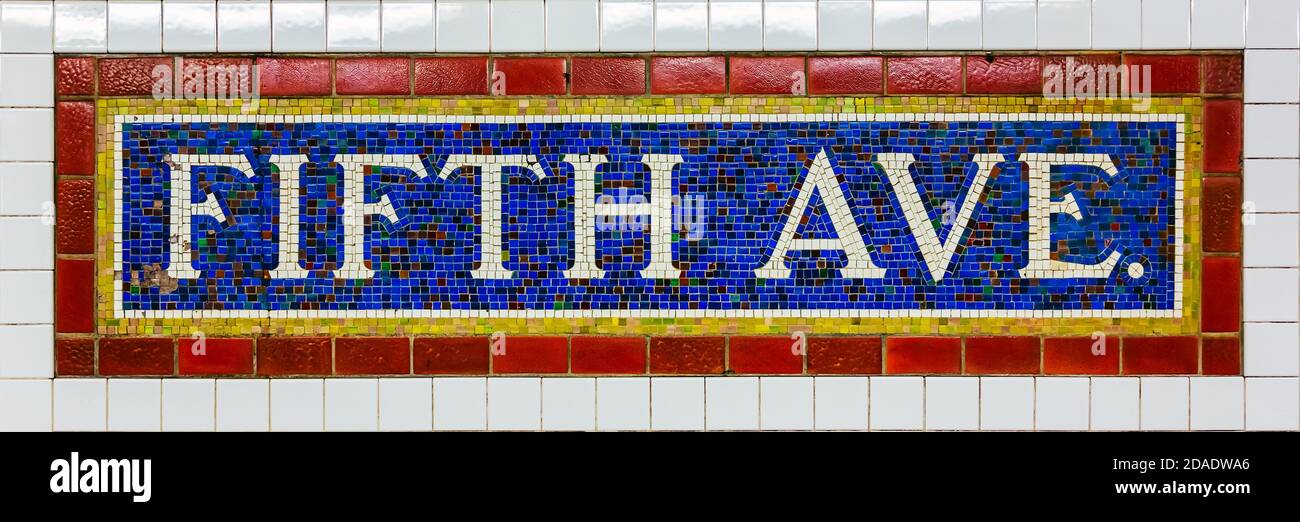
<point>1270,402</point>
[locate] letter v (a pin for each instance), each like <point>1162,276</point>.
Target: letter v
<point>937,256</point>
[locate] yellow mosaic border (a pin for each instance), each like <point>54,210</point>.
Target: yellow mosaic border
<point>1188,323</point>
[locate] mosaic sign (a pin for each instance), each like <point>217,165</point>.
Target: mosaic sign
<point>659,216</point>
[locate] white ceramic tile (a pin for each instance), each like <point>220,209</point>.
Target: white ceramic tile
<point>298,26</point>
<point>297,404</point>
<point>677,403</point>
<point>731,403</point>
<point>841,403</point>
<point>351,404</point>
<point>352,26</point>
<point>1273,24</point>
<point>627,25</point>
<point>1272,349</point>
<point>80,27</point>
<point>1166,24</point>
<point>244,26</point>
<point>897,403</point>
<point>623,403</point>
<point>1272,76</point>
<point>790,25</point>
<point>26,80</point>
<point>514,403</point>
<point>681,25</point>
<point>26,351</point>
<point>408,26</point>
<point>519,26</point>
<point>134,404</point>
<point>37,239</point>
<point>27,189</point>
<point>1061,403</point>
<point>899,24</point>
<point>1218,24</point>
<point>243,404</point>
<point>568,404</point>
<point>189,26</point>
<point>189,404</point>
<point>955,24</point>
<point>26,135</point>
<point>573,25</point>
<point>1006,403</point>
<point>80,404</point>
<point>952,403</point>
<point>786,403</point>
<point>736,25</point>
<point>1114,403</point>
<point>26,27</point>
<point>1009,24</point>
<point>844,25</point>
<point>405,404</point>
<point>1218,403</point>
<point>28,297</point>
<point>1270,294</point>
<point>460,403</point>
<point>1116,24</point>
<point>1270,185</point>
<point>1272,131</point>
<point>1064,24</point>
<point>463,26</point>
<point>1272,240</point>
<point>1164,403</point>
<point>25,405</point>
<point>1272,403</point>
<point>134,27</point>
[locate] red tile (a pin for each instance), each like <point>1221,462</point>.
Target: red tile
<point>450,356</point>
<point>74,76</point>
<point>769,354</point>
<point>924,75</point>
<point>215,356</point>
<point>858,355</point>
<point>922,355</point>
<point>528,76</point>
<point>767,75</point>
<point>624,76</point>
<point>1160,355</point>
<point>1073,65</point>
<point>688,75</point>
<point>75,217</point>
<point>1002,355</point>
<point>1079,75</point>
<point>74,296</point>
<point>608,355</point>
<point>134,76</point>
<point>372,76</point>
<point>1170,73</point>
<point>294,356</point>
<point>136,355</point>
<point>1223,136</point>
<point>1222,73</point>
<point>74,132</point>
<point>1221,356</point>
<point>1004,75</point>
<point>1221,214</point>
<point>235,75</point>
<point>1221,294</point>
<point>532,355</point>
<point>442,76</point>
<point>294,76</point>
<point>1081,355</point>
<point>687,355</point>
<point>74,357</point>
<point>846,75</point>
<point>372,356</point>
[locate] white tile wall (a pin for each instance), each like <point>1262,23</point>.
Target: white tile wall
<point>955,24</point>
<point>897,403</point>
<point>1009,24</point>
<point>1114,404</point>
<point>573,25</point>
<point>568,404</point>
<point>900,24</point>
<point>731,403</point>
<point>952,403</point>
<point>351,404</point>
<point>134,404</point>
<point>463,26</point>
<point>460,403</point>
<point>406,404</point>
<point>790,25</point>
<point>244,26</point>
<point>189,26</point>
<point>297,405</point>
<point>26,351</point>
<point>242,404</point>
<point>1166,24</point>
<point>80,27</point>
<point>26,27</point>
<point>298,26</point>
<point>844,25</point>
<point>1164,403</point>
<point>134,26</point>
<point>681,25</point>
<point>408,26</point>
<point>623,403</point>
<point>628,25</point>
<point>786,403</point>
<point>514,403</point>
<point>1006,403</point>
<point>1061,403</point>
<point>1218,403</point>
<point>520,25</point>
<point>841,403</point>
<point>1064,24</point>
<point>352,26</point>
<point>677,403</point>
<point>1218,24</point>
<point>189,404</point>
<point>80,404</point>
<point>26,404</point>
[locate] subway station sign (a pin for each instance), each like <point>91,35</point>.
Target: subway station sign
<point>835,215</point>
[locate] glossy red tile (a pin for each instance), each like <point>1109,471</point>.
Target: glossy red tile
<point>1222,73</point>
<point>381,76</point>
<point>372,356</point>
<point>450,355</point>
<point>74,76</point>
<point>846,75</point>
<point>1221,294</point>
<point>769,354</point>
<point>1002,355</point>
<point>768,75</point>
<point>74,132</point>
<point>294,77</point>
<point>1161,355</point>
<point>528,76</point>
<point>294,356</point>
<point>74,296</point>
<point>443,76</point>
<point>75,217</point>
<point>1004,75</point>
<point>855,355</point>
<point>608,355</point>
<point>220,356</point>
<point>74,357</point>
<point>1221,214</point>
<point>531,355</point>
<point>1221,355</point>
<point>924,75</point>
<point>688,75</point>
<point>135,76</point>
<point>1169,73</point>
<point>619,76</point>
<point>1223,136</point>
<point>143,356</point>
<point>1081,355</point>
<point>687,355</point>
<point>922,355</point>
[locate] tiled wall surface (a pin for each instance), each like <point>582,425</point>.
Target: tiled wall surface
<point>1267,396</point>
